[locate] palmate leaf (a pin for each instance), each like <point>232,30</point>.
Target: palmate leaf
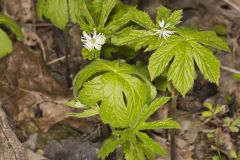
<point>135,143</point>
<point>120,88</point>
<point>185,48</point>
<point>147,37</point>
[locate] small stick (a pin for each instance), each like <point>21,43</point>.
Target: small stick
<point>226,68</point>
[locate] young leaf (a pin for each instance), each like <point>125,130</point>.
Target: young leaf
<point>207,114</point>
<point>6,44</point>
<point>209,106</point>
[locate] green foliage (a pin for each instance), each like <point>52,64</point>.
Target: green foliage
<point>122,94</point>
<point>211,110</point>
<point>232,124</point>
<point>135,143</point>
<point>120,88</point>
<point>58,11</point>
<point>177,53</point>
<point>105,17</point>
<point>6,43</point>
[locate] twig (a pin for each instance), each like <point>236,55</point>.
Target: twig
<point>226,68</point>
<point>56,60</point>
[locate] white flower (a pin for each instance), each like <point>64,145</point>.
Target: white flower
<point>163,32</point>
<point>93,41</point>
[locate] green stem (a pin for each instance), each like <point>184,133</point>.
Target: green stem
<point>172,114</point>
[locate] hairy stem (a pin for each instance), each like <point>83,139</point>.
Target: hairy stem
<point>172,114</point>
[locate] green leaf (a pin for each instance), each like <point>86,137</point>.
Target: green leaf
<point>174,18</point>
<point>217,109</point>
<point>57,12</point>
<point>164,124</point>
<point>181,72</point>
<point>233,154</point>
<point>234,129</point>
<point>121,15</point>
<point>184,49</point>
<point>153,107</point>
<point>90,55</point>
<point>75,10</point>
<point>209,38</point>
<point>227,121</point>
<point>117,88</point>
<point>12,25</point>
<point>110,145</point>
<point>143,19</point>
<point>93,11</point>
<point>40,9</point>
<point>151,143</point>
<point>236,76</point>
<point>208,105</point>
<point>236,122</point>
<point>6,44</point>
<point>207,114</point>
<point>165,14</point>
<point>139,38</point>
<point>164,55</point>
<point>107,7</point>
<point>162,13</point>
<point>207,62</point>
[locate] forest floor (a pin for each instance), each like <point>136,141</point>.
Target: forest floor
<point>35,84</point>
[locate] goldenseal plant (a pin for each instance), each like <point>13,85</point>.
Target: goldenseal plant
<point>175,48</point>
<point>122,95</point>
<point>127,101</point>
<point>98,19</point>
<point>6,43</point>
